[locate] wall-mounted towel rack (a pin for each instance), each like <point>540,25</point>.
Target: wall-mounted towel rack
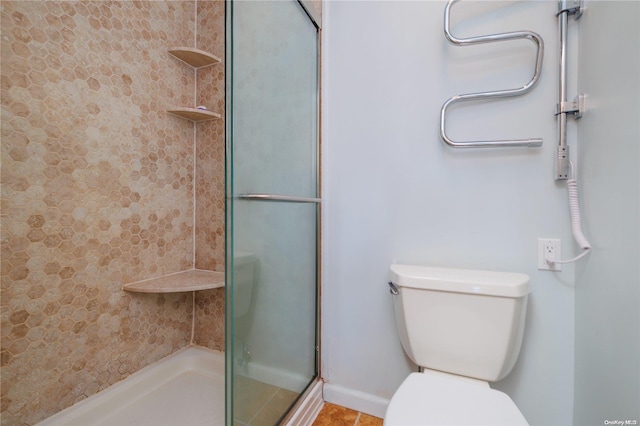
<point>528,35</point>
<point>565,8</point>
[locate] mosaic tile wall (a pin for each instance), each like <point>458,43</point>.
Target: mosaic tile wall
<point>98,189</point>
<point>209,322</point>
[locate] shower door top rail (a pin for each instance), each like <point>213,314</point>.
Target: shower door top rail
<point>528,35</point>
<point>277,197</point>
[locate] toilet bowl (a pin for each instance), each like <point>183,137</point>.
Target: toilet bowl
<point>464,329</point>
<point>435,398</point>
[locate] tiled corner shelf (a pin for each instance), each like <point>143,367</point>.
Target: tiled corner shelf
<point>197,59</point>
<point>194,114</point>
<point>191,280</point>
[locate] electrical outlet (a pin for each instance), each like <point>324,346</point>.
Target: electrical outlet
<point>549,248</point>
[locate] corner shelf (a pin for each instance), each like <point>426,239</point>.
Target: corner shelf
<point>194,114</point>
<point>195,57</point>
<point>191,280</point>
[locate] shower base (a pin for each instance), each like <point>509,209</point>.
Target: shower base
<point>185,388</point>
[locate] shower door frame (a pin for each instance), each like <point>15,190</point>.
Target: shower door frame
<point>316,20</point>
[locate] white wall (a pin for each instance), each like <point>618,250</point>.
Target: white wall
<point>608,284</point>
<point>394,192</point>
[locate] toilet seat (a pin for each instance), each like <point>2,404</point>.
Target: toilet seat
<point>434,398</point>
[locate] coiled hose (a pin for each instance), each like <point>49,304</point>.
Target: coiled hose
<point>576,221</point>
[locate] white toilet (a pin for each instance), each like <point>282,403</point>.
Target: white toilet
<point>464,329</point>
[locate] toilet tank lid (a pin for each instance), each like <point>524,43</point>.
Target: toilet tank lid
<point>490,283</point>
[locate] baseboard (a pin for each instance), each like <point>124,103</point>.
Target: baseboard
<point>356,400</point>
<point>308,409</point>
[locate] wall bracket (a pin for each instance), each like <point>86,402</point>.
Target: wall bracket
<point>572,7</point>
<point>575,107</point>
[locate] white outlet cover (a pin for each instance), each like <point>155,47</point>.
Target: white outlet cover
<point>554,245</point>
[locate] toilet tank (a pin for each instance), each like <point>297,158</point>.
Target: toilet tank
<point>461,321</point>
<point>244,280</point>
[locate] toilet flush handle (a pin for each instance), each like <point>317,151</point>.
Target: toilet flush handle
<point>393,289</point>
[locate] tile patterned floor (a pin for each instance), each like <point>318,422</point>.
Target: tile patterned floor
<point>334,415</point>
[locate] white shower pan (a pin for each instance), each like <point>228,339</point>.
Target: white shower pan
<point>185,388</point>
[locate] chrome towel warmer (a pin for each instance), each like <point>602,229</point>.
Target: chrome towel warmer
<point>565,8</point>
<point>529,35</point>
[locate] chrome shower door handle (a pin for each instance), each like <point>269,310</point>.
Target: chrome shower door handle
<point>277,197</point>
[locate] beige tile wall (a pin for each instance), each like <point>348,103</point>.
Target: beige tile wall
<point>210,230</point>
<point>98,190</point>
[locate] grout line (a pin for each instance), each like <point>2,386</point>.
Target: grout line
<point>195,175</point>
<point>193,316</point>
<point>263,406</point>
<point>357,419</point>
<point>195,134</point>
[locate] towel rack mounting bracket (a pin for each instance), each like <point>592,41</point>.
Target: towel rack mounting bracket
<point>572,7</point>
<point>575,107</point>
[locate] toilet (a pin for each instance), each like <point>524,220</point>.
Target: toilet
<point>464,329</point>
<point>244,276</point>
<point>244,279</point>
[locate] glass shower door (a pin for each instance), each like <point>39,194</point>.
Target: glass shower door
<point>272,209</point>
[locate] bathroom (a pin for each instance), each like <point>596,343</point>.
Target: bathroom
<point>392,192</point>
